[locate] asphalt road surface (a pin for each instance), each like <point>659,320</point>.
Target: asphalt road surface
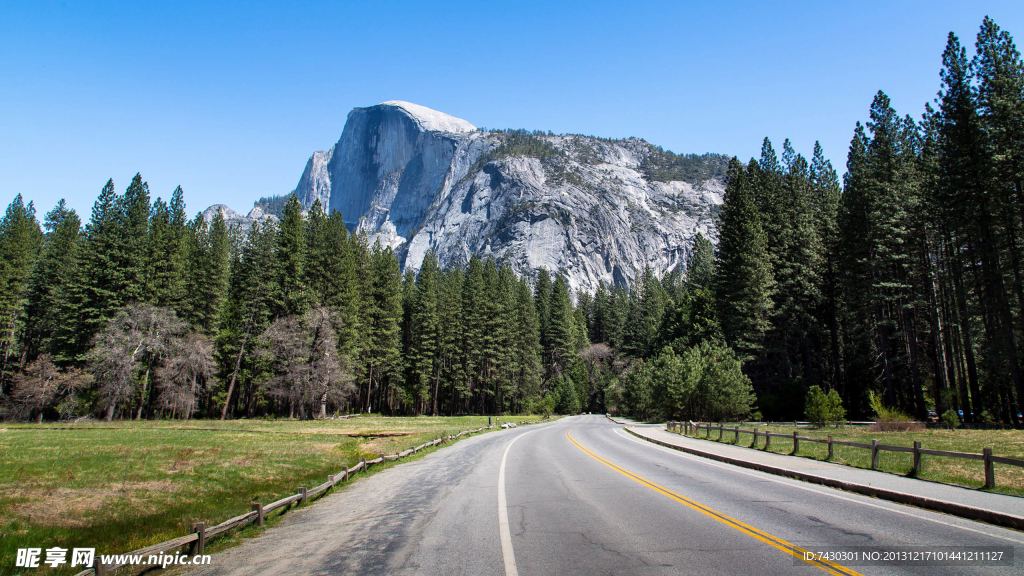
<point>580,496</point>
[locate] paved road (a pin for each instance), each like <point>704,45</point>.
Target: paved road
<point>583,497</point>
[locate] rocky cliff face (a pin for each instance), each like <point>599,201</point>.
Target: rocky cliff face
<point>232,218</point>
<point>598,210</point>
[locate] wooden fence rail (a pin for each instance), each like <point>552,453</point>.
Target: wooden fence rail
<point>195,542</point>
<point>988,459</point>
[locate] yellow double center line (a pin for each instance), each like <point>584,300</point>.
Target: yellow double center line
<point>827,566</point>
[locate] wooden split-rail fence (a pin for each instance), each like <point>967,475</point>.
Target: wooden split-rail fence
<point>195,542</point>
<point>988,459</point>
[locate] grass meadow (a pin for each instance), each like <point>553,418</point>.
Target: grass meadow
<point>120,486</point>
<point>970,473</point>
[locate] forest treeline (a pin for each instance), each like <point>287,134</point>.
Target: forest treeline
<point>144,313</point>
<point>907,279</point>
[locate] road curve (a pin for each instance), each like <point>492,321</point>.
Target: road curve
<point>582,497</point>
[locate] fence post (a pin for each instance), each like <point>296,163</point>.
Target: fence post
<point>720,431</point>
<point>874,454</point>
<point>199,546</point>
<point>829,447</point>
<point>98,568</point>
<point>990,470</point>
<point>258,508</point>
<point>737,435</point>
<point>344,470</point>
<point>302,499</point>
<point>917,458</point>
<point>363,461</point>
<point>767,439</point>
<point>796,442</point>
<point>753,443</point>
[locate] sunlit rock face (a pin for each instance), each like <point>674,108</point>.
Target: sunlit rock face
<point>597,210</point>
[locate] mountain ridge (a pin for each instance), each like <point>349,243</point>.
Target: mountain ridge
<point>594,209</point>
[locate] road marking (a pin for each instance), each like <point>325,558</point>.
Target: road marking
<point>506,535</point>
<point>791,549</point>
<point>801,486</point>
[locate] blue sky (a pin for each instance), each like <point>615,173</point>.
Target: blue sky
<point>230,99</point>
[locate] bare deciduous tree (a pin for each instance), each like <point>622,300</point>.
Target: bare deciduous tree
<point>309,371</point>
<point>126,351</point>
<point>41,386</point>
<point>185,374</point>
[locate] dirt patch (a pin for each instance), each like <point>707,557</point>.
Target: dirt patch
<point>74,508</point>
<point>896,426</point>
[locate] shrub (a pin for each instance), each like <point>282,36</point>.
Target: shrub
<point>567,401</point>
<point>543,406</point>
<point>824,409</point>
<point>890,419</point>
<point>950,419</point>
<point>704,382</point>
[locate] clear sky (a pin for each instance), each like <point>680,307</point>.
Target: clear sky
<point>229,99</point>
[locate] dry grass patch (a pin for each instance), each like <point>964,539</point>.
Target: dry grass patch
<point>119,486</point>
<point>970,473</point>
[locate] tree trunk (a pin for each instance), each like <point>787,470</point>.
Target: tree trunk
<point>938,353</point>
<point>915,370</point>
<point>883,348</point>
<point>191,399</point>
<point>142,397</point>
<point>234,375</point>
<point>968,345</point>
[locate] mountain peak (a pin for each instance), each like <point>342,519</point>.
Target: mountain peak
<point>429,119</point>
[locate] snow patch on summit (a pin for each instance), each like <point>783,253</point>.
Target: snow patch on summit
<point>431,119</point>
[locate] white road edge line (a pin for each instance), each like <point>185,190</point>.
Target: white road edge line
<point>798,484</point>
<point>506,534</point>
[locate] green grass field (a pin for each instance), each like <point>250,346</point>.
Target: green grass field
<point>120,486</point>
<point>1008,443</point>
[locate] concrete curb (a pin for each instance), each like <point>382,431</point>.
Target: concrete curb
<point>971,513</point>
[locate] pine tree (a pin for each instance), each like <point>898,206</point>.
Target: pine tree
<point>95,294</point>
<point>599,322</point>
<point>131,251</point>
<point>825,204</point>
<point>542,300</point>
<point>208,246</point>
<point>562,339</point>
<point>474,326</point>
<point>426,335</point>
<point>383,329</point>
<point>332,273</point>
<point>291,254</point>
<point>20,242</point>
<point>649,309</point>
<point>1000,104</point>
<point>743,274</point>
<point>50,312</point>
<point>797,294</point>
<point>700,269</point>
<point>452,351</point>
<point>253,298</point>
<point>967,182</point>
<point>526,348</point>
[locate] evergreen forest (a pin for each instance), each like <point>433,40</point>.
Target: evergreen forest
<point>901,281</point>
